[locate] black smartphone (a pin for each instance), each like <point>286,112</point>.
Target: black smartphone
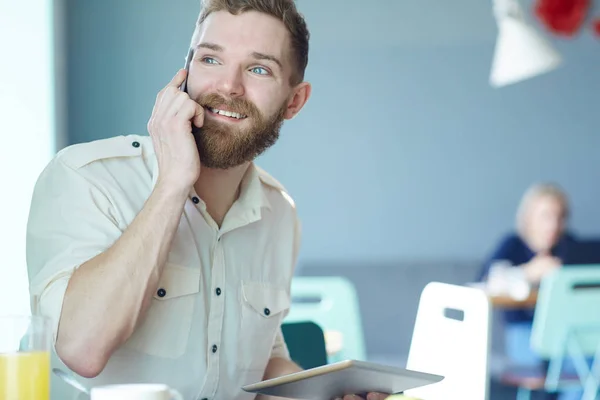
<point>190,55</point>
<point>188,60</point>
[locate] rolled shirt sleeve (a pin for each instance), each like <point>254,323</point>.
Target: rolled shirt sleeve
<point>70,222</point>
<point>280,349</point>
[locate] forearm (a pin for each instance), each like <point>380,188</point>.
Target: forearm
<point>107,296</point>
<point>278,367</point>
<point>533,272</point>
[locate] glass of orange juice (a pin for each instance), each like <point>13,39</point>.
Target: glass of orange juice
<point>25,358</point>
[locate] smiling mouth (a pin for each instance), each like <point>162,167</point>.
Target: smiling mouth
<point>225,113</point>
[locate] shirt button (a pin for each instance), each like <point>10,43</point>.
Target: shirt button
<point>195,200</point>
<point>267,312</point>
<point>218,291</point>
<point>135,144</point>
<point>214,348</point>
<point>161,292</point>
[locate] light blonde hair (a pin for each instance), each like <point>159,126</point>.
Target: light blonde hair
<point>284,10</point>
<point>531,195</point>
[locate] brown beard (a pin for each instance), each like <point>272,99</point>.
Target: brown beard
<point>222,147</point>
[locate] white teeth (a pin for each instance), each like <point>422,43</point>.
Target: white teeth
<point>228,113</point>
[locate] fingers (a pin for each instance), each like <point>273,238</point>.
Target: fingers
<point>348,397</point>
<point>190,110</point>
<point>370,396</point>
<point>174,102</point>
<point>178,79</point>
<point>174,109</point>
<point>198,119</point>
<point>377,396</point>
<point>171,89</point>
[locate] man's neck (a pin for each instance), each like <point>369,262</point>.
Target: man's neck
<point>219,189</point>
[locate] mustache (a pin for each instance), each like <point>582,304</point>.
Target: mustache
<point>241,106</point>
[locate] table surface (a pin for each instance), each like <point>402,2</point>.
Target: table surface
<point>505,301</point>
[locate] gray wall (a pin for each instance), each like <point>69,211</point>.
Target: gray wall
<point>404,151</point>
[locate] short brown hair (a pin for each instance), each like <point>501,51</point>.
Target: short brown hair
<point>283,10</point>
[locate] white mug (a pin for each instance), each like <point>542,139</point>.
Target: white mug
<point>138,391</point>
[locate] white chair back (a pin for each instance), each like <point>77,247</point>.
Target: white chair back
<point>452,338</point>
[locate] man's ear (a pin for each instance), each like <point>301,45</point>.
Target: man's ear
<point>298,99</point>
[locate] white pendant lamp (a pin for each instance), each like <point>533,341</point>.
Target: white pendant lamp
<point>521,52</point>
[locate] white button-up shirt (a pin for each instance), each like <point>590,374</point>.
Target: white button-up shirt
<point>214,322</point>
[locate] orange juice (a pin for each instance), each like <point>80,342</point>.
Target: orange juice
<point>25,376</point>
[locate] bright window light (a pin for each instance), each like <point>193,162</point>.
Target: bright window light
<point>28,133</point>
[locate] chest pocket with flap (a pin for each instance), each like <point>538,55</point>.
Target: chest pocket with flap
<point>263,309</point>
<point>165,330</point>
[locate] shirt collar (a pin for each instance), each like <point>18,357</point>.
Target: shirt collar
<point>252,191</point>
<point>253,194</point>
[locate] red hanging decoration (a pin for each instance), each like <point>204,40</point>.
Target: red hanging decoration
<point>597,27</point>
<point>562,17</point>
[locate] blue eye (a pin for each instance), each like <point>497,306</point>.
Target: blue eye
<point>209,60</point>
<point>260,71</point>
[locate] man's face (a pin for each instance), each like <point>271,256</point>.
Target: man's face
<point>240,74</point>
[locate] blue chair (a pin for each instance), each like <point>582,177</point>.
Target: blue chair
<point>332,303</point>
<point>566,329</point>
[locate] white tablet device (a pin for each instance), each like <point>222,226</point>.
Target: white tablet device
<point>345,377</point>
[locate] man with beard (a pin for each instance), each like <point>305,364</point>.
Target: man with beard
<point>169,258</point>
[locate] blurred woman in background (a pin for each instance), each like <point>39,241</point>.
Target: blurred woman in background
<point>540,244</point>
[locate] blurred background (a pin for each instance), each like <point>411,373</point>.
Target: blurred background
<point>406,165</point>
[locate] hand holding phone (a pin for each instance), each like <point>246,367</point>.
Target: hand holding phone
<point>173,120</point>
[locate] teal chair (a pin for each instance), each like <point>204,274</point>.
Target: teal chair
<point>332,303</point>
<point>306,343</point>
<point>566,328</point>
